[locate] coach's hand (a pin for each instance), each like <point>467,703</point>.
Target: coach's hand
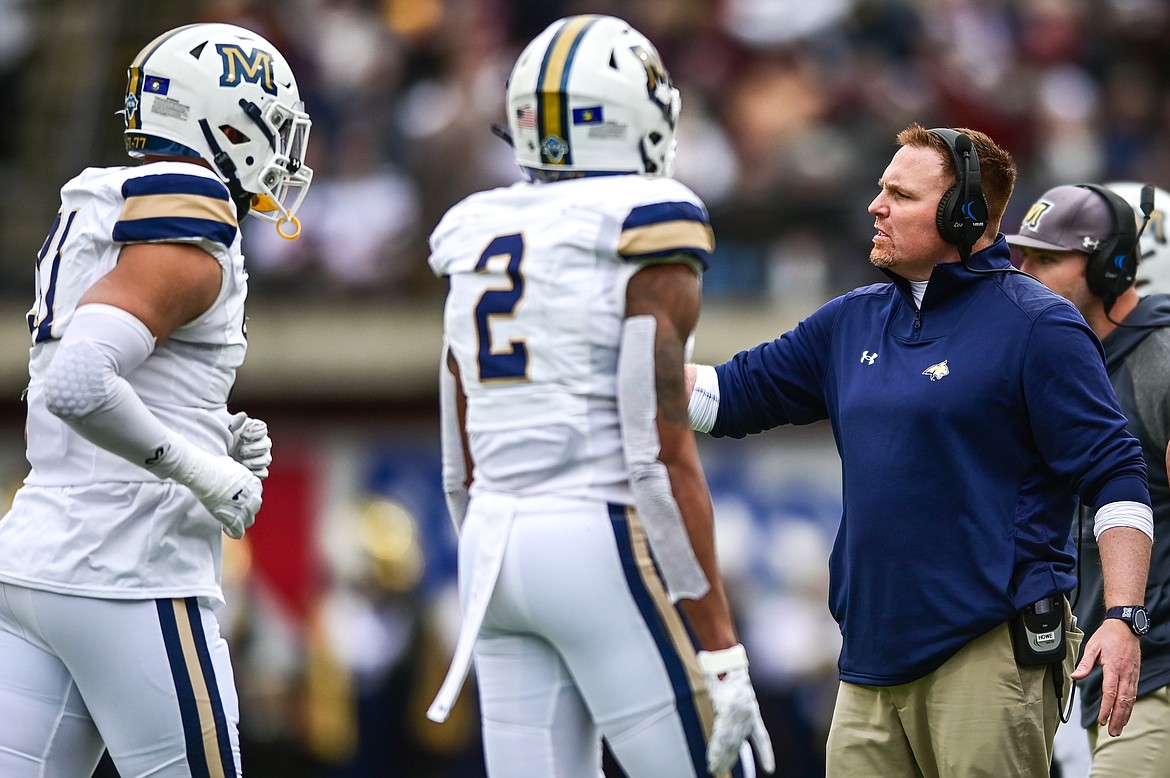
<point>737,714</point>
<point>1118,651</point>
<point>251,446</point>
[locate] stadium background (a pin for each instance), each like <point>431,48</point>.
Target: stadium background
<point>342,606</point>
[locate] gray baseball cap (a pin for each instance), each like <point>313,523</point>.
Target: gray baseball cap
<point>1066,218</point>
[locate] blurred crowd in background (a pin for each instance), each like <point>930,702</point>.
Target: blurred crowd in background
<point>789,113</point>
<point>343,613</point>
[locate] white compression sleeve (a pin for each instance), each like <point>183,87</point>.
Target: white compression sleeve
<point>451,445</point>
<point>85,388</point>
<point>703,406</point>
<point>1124,513</point>
<point>653,496</point>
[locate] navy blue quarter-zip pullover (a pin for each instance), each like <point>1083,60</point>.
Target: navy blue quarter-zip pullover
<point>966,430</point>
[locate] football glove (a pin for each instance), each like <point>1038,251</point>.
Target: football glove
<point>228,489</point>
<point>737,714</point>
<point>251,446</point>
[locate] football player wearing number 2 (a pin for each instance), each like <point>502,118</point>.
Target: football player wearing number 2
<point>587,552</point>
<point>110,557</point>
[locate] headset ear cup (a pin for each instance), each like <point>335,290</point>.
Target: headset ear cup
<point>1106,276</point>
<point>943,216</point>
<point>1129,269</point>
<point>1107,282</point>
<point>975,220</point>
<point>1095,274</point>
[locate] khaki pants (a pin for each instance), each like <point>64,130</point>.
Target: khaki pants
<point>1143,748</point>
<point>980,714</point>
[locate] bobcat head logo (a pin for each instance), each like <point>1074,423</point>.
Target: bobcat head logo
<point>937,371</point>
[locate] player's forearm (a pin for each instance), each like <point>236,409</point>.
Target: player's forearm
<point>456,462</point>
<point>710,615</point>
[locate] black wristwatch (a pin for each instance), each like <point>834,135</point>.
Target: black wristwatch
<point>1134,615</point>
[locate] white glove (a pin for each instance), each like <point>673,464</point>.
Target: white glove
<point>225,487</point>
<point>737,714</point>
<point>251,446</point>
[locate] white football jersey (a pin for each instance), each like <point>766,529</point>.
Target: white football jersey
<point>87,521</point>
<point>537,297</point>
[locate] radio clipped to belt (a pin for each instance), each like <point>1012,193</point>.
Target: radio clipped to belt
<point>1038,632</point>
<point>1038,638</point>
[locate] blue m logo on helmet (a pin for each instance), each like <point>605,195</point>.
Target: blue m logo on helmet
<point>239,66</point>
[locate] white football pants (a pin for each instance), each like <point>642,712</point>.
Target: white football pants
<point>148,679</point>
<point>580,642</point>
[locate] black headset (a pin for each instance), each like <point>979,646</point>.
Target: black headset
<point>962,211</point>
<point>1112,266</point>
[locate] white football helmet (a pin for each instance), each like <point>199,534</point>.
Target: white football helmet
<point>1153,270</point>
<point>590,95</point>
<point>226,95</point>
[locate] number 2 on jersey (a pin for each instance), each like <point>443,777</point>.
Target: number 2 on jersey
<point>510,363</point>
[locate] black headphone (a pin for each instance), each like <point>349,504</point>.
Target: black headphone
<point>1112,266</point>
<point>962,211</point>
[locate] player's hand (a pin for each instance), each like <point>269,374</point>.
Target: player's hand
<point>251,446</point>
<point>737,714</point>
<point>226,488</point>
<point>236,504</point>
<point>231,492</point>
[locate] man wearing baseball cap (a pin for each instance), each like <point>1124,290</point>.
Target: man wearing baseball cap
<point>1082,242</point>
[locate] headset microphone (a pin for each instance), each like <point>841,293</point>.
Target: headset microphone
<point>963,146</point>
<point>1146,201</point>
<point>1147,204</point>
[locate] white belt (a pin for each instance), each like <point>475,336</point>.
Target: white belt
<point>496,512</point>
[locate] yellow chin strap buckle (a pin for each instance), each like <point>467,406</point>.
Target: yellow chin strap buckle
<point>295,222</point>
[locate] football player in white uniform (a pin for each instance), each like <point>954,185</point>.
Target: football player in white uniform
<point>1153,270</point>
<point>110,557</point>
<point>593,603</point>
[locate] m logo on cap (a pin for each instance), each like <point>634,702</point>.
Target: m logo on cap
<point>1031,219</point>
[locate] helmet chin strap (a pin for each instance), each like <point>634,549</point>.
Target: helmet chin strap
<point>227,168</point>
<point>253,112</point>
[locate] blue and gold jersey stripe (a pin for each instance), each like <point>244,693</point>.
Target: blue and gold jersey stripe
<point>205,726</point>
<point>552,106</point>
<point>174,206</point>
<point>662,229</point>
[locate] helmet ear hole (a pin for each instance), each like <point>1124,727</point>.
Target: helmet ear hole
<point>655,137</point>
<point>234,135</point>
